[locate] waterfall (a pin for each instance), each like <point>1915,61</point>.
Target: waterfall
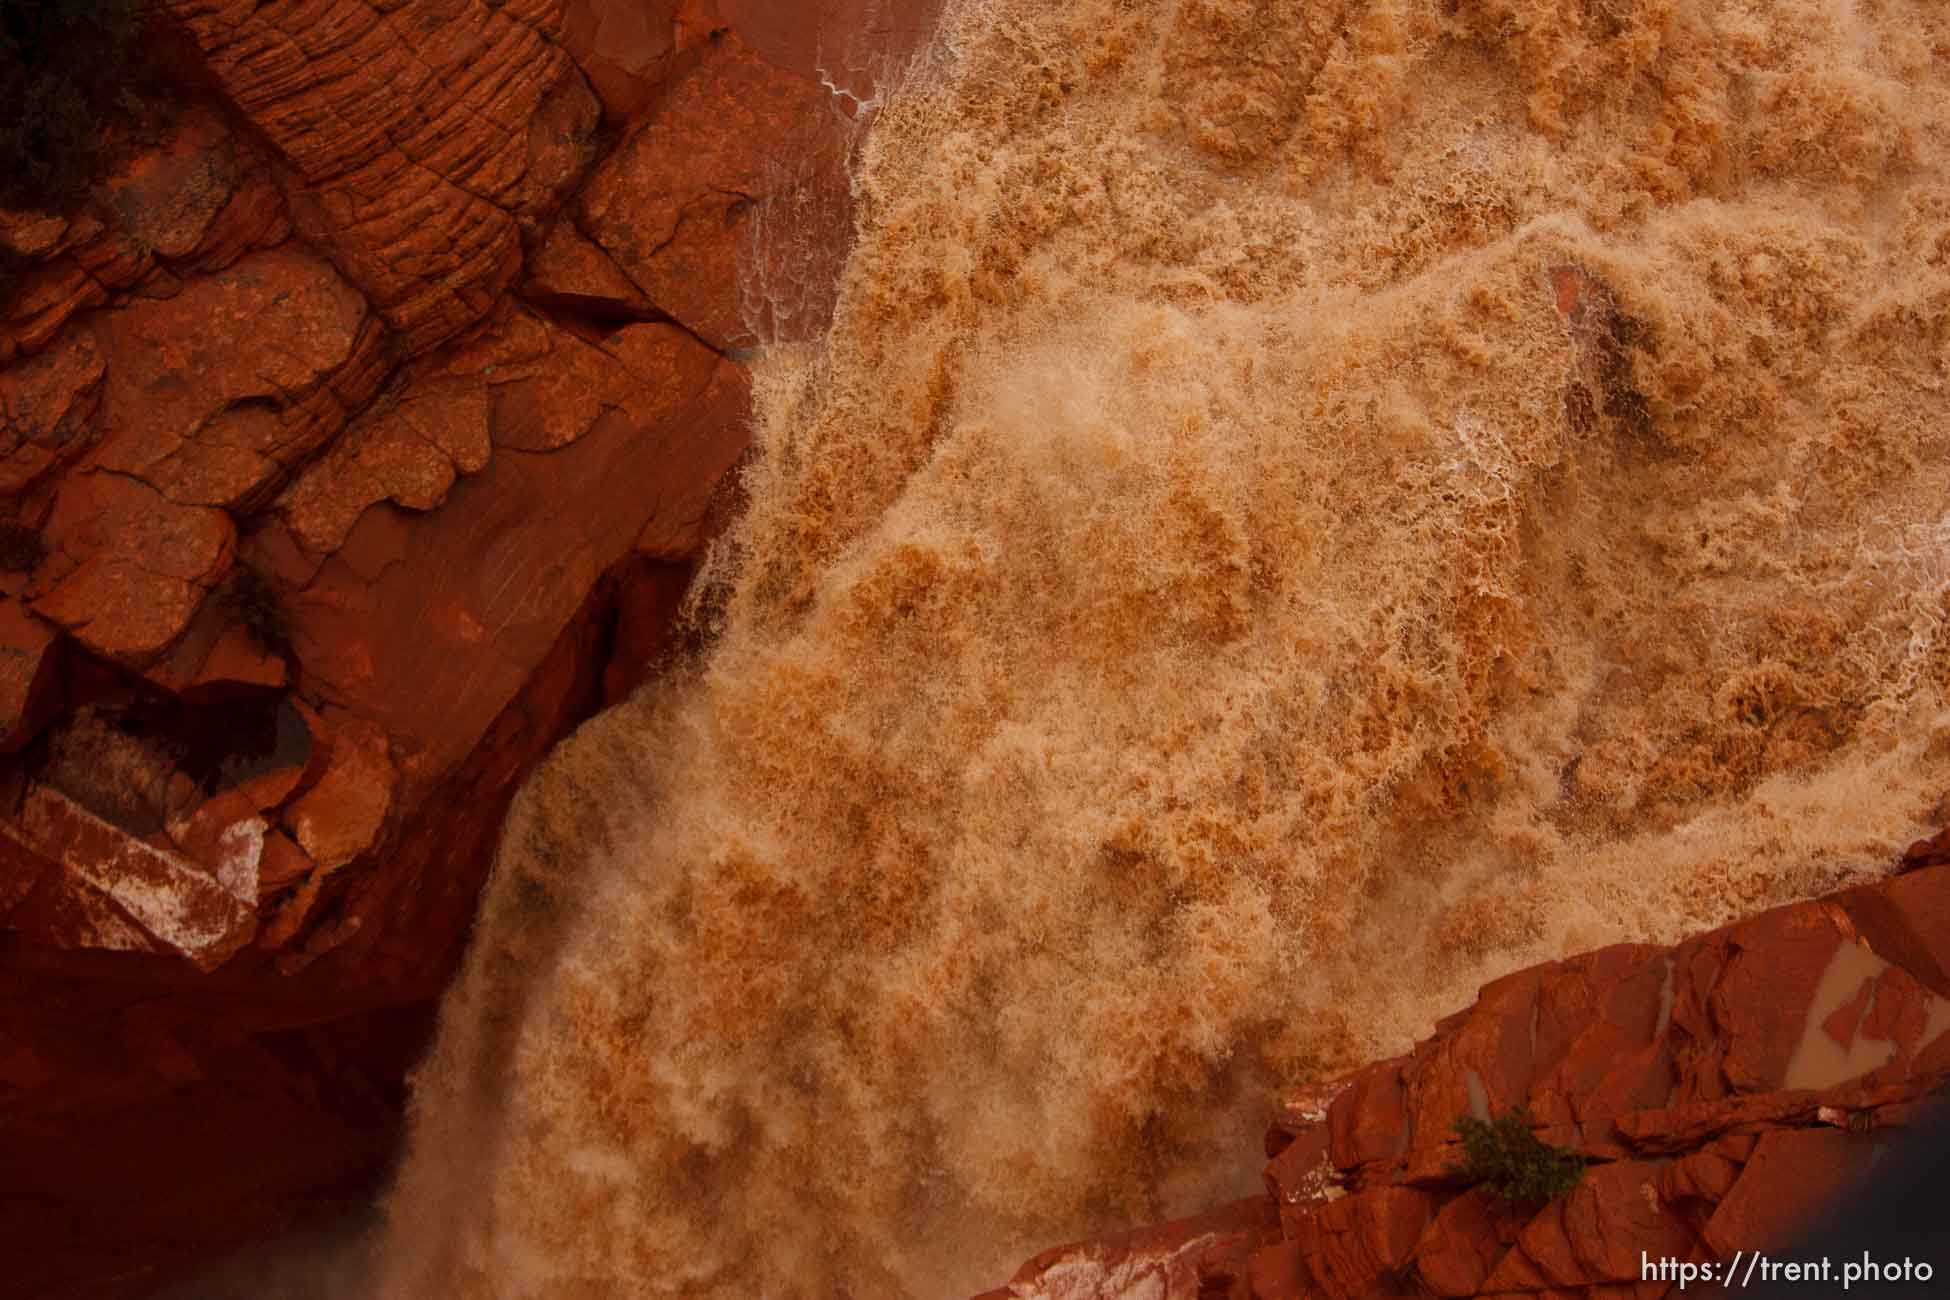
<point>1303,506</point>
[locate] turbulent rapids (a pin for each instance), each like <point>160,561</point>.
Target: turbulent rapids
<point>1304,505</point>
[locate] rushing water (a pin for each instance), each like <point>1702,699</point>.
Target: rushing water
<point>1305,505</point>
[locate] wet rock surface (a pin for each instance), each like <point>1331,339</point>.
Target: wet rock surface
<point>354,447</point>
<point>1726,1093</point>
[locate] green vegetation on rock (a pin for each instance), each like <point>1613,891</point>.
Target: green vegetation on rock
<point>1505,1156</point>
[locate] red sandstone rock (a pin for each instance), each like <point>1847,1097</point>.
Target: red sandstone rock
<point>1484,1067</point>
<point>853,44</point>
<point>1777,959</point>
<point>47,405</point>
<point>225,835</point>
<point>621,48</point>
<point>1927,853</point>
<point>649,598</point>
<point>255,217</point>
<point>1707,1174</point>
<point>1303,1114</point>
<point>137,565</point>
<point>571,274</point>
<point>1354,1244</point>
<point>282,866</point>
<point>671,205</point>
<point>460,605</point>
<point>50,294</point>
<point>1369,1122</point>
<point>424,135</point>
<point>167,198</point>
<point>215,392</point>
<point>21,870</point>
<point>1600,1050</point>
<point>29,681</point>
<point>1457,1252</point>
<point>196,201</point>
<point>1595,1234</point>
<point>215,651</point>
<point>1301,1171</point>
<point>112,891</point>
<point>629,51</point>
<point>1767,1132</point>
<point>1908,922</point>
<point>1792,1176</point>
<point>31,234</point>
<point>457,517</point>
<point>1185,1259</point>
<point>342,814</point>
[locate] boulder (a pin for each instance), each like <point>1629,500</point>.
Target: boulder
<point>108,890</point>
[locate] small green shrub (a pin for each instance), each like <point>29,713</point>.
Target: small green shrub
<point>64,65</point>
<point>253,601</point>
<point>1504,1155</point>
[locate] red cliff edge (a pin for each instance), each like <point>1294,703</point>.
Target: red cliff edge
<point>359,435</point>
<point>1725,1092</point>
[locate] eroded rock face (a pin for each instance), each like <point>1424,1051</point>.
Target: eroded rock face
<point>672,203</point>
<point>358,438</point>
<point>209,406</point>
<point>421,138</point>
<point>1725,1092</point>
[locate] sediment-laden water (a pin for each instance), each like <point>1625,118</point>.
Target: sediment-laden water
<point>1303,507</point>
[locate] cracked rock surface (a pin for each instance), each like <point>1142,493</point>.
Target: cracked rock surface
<point>359,436</point>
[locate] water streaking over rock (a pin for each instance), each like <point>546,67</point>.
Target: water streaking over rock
<point>1302,508</point>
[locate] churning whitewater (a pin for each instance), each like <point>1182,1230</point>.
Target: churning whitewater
<point>1304,506</point>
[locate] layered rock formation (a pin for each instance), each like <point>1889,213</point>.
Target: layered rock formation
<point>356,441</point>
<point>1725,1092</point>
